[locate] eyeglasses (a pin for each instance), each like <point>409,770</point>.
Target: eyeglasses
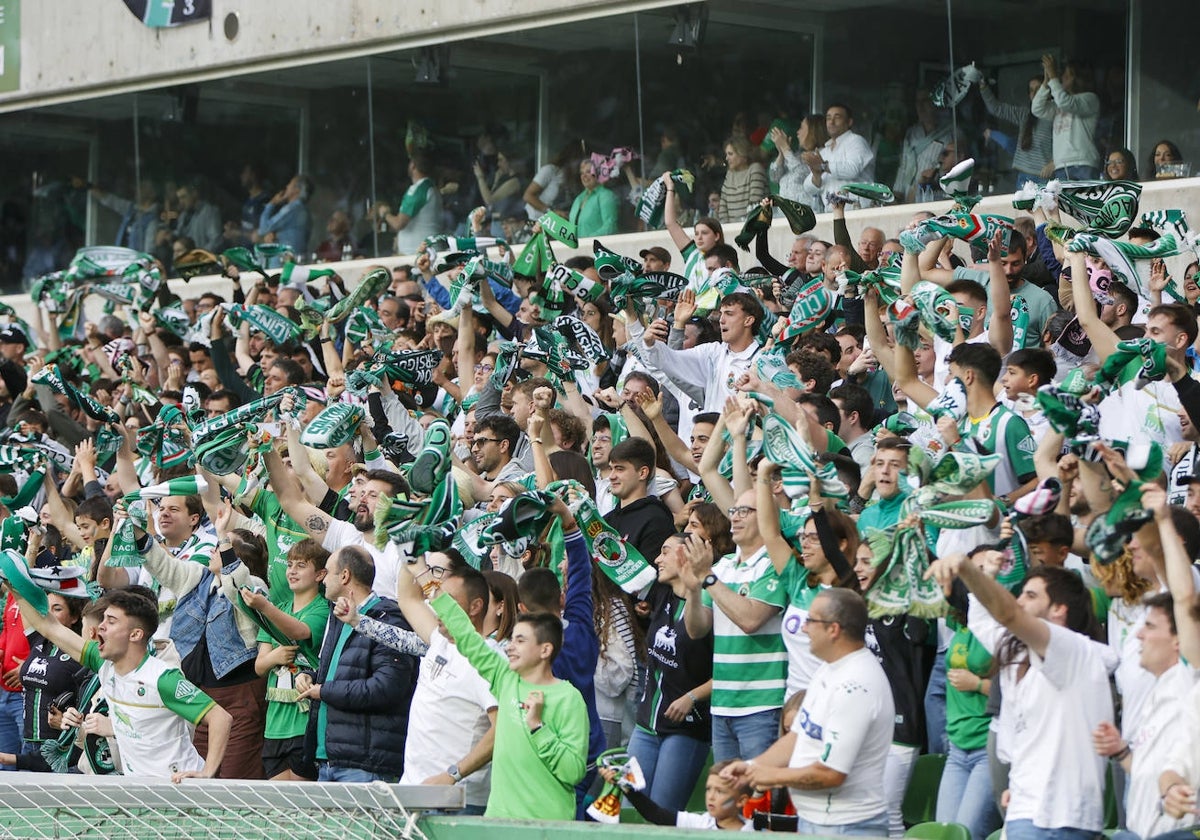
<point>482,368</point>
<point>808,619</point>
<point>740,511</point>
<point>481,440</point>
<point>436,572</point>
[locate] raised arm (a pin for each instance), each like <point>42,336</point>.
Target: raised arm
<point>716,484</point>
<point>66,639</point>
<point>312,519</point>
<point>1000,330</point>
<point>997,600</point>
<point>1104,340</point>
<point>1179,572</point>
<point>778,548</point>
<point>671,217</point>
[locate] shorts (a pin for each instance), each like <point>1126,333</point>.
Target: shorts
<point>280,754</point>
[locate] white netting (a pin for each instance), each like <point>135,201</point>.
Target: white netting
<point>38,805</point>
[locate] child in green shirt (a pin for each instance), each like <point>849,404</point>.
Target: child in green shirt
<point>541,722</point>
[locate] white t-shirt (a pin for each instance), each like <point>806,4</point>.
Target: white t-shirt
<point>550,179</point>
<point>1046,724</point>
<point>447,718</point>
<point>1161,723</point>
<point>1134,683</point>
<point>845,723</point>
<point>387,560</point>
<point>1130,414</point>
<point>705,821</point>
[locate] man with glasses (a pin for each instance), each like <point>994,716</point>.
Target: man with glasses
<point>739,600</point>
<point>833,758</point>
<point>492,446</point>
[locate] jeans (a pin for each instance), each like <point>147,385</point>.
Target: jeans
<point>997,772</point>
<point>1077,173</point>
<point>747,736</point>
<point>935,706</point>
<point>896,774</point>
<point>1023,179</point>
<point>334,773</point>
<point>12,723</point>
<point>1026,830</point>
<point>874,827</point>
<point>671,764</point>
<point>965,793</point>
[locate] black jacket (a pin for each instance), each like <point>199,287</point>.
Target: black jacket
<point>367,700</point>
<point>646,524</point>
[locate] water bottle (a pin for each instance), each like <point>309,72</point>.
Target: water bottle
<point>347,252</point>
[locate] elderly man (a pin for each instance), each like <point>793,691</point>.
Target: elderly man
<point>833,758</point>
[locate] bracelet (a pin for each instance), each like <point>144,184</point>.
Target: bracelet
<point>536,441</point>
<point>1123,754</point>
<point>695,699</point>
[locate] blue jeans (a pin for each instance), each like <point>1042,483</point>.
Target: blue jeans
<point>747,736</point>
<point>1026,830</point>
<point>965,793</point>
<point>935,706</point>
<point>1023,179</point>
<point>873,827</point>
<point>12,723</point>
<point>671,763</point>
<point>327,772</point>
<point>1077,173</point>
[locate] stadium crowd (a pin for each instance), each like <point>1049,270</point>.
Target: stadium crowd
<point>557,532</point>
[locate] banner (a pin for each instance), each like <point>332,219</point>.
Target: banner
<point>163,13</point>
<point>10,45</point>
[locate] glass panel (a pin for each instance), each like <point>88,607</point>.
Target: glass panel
<point>470,105</point>
<point>52,156</point>
<point>1165,87</point>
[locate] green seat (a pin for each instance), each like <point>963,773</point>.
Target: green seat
<point>996,835</point>
<point>939,831</point>
<point>920,798</point>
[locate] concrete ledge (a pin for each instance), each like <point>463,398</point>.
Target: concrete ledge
<point>1183,194</point>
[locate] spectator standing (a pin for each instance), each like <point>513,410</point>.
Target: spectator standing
<point>745,183</point>
<point>361,689</point>
<point>285,218</point>
<point>1074,110</point>
<point>594,211</point>
<point>845,158</point>
<point>420,212</point>
<point>1032,153</point>
<point>789,169</point>
<point>834,756</point>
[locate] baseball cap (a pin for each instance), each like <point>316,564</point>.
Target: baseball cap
<point>13,335</point>
<point>660,254</point>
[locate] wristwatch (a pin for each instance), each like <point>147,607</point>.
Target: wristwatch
<point>708,581</point>
<point>452,772</point>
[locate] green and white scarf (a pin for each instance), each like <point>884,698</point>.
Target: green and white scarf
<point>654,197</point>
<point>1122,257</point>
<point>1106,208</point>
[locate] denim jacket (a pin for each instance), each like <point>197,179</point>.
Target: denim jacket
<point>207,604</point>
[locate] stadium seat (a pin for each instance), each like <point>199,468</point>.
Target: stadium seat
<point>920,799</point>
<point>939,831</point>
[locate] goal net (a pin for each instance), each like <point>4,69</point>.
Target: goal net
<point>40,805</point>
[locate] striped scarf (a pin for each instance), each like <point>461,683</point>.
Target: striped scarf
<point>1106,208</point>
<point>1122,257</point>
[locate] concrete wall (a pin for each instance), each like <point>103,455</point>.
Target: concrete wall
<point>1183,194</point>
<point>70,50</point>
